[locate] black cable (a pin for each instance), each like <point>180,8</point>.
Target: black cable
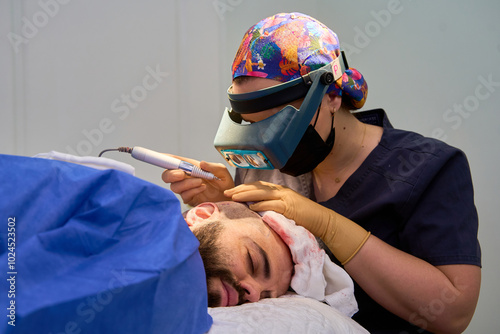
<point>119,149</point>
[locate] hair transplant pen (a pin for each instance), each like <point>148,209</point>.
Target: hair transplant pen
<point>164,161</point>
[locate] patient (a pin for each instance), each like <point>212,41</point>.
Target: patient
<point>245,260</point>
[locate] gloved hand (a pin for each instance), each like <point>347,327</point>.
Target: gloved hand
<point>194,191</point>
<point>341,235</point>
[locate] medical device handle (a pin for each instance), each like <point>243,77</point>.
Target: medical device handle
<point>169,162</point>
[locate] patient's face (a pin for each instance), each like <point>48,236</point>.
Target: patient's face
<point>245,260</point>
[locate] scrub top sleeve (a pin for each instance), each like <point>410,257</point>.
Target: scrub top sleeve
<point>443,225</point>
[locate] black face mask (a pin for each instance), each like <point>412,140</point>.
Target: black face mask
<point>310,152</point>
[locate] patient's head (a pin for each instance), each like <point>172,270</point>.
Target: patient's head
<point>244,259</point>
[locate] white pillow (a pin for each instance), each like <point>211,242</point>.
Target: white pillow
<point>290,313</point>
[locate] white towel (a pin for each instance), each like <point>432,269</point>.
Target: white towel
<point>89,161</point>
<point>316,276</point>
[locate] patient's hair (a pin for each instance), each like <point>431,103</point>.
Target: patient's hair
<point>214,259</point>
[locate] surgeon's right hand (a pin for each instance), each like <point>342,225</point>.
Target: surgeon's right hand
<point>342,236</point>
<point>194,191</point>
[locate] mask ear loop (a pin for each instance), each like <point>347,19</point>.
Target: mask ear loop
<point>317,115</point>
<point>333,117</point>
<point>331,137</point>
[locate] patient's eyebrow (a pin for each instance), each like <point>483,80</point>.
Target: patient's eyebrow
<point>267,267</point>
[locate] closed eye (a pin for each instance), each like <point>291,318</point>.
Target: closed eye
<point>265,260</point>
<point>251,264</point>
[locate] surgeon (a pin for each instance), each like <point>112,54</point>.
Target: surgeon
<point>396,209</point>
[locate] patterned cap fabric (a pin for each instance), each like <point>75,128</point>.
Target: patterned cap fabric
<point>286,46</point>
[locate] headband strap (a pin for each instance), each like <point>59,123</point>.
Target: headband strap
<point>248,103</point>
<point>288,94</point>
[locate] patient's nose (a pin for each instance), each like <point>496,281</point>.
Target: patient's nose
<point>252,290</point>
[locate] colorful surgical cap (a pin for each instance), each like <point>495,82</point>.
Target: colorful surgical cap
<point>286,46</point>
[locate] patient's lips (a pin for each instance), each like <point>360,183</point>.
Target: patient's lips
<point>229,295</point>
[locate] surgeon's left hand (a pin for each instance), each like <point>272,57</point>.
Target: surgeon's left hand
<point>341,235</point>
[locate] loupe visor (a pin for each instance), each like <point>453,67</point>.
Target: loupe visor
<point>269,143</point>
<point>247,159</point>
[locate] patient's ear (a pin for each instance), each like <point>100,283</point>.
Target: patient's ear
<point>200,213</point>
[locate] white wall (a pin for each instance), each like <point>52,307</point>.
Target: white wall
<point>75,76</point>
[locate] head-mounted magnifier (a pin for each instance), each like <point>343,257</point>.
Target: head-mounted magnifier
<point>269,143</point>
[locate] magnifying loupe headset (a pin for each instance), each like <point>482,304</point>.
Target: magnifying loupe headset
<point>269,143</point>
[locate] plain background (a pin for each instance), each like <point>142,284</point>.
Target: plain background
<point>82,76</point>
